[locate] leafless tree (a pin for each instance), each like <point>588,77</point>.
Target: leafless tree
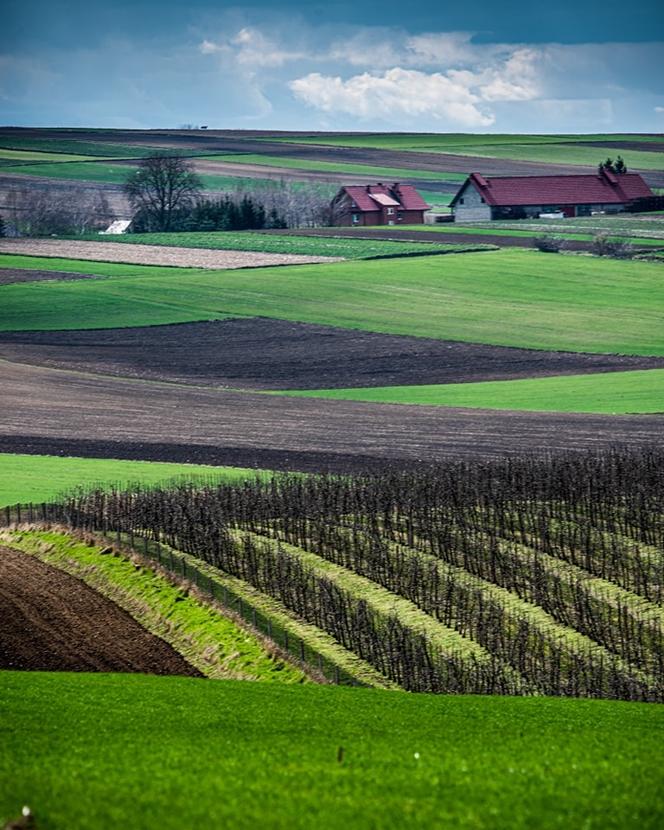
<point>161,185</point>
<point>44,211</point>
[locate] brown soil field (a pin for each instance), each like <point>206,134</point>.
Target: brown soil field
<point>153,254</point>
<point>12,275</point>
<point>261,353</point>
<point>51,621</point>
<point>57,405</point>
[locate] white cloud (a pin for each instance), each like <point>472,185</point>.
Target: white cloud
<point>396,93</point>
<point>251,48</point>
<point>515,80</point>
<point>441,49</point>
<point>659,109</point>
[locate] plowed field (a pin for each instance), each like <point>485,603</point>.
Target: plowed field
<point>51,621</point>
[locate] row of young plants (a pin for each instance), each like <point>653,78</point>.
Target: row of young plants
<point>491,550</point>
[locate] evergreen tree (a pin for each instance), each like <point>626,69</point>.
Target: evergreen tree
<point>620,167</point>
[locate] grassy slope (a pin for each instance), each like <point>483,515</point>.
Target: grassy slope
<point>37,478</point>
<point>209,640</point>
<point>278,243</point>
<point>513,298</point>
<point>339,167</point>
<point>610,393</point>
<point>166,753</point>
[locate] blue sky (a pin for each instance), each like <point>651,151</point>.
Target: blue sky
<point>502,66</point>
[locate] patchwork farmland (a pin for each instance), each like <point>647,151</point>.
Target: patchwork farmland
<point>409,480</point>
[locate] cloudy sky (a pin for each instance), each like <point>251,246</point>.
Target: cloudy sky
<point>482,66</point>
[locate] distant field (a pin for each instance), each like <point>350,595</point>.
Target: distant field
<point>650,225</point>
<point>21,156</point>
<point>512,229</point>
<point>276,243</point>
<point>37,478</point>
<point>392,173</point>
<point>95,171</point>
<point>572,154</point>
<point>507,297</point>
<point>84,148</point>
<point>251,755</point>
<point>612,393</point>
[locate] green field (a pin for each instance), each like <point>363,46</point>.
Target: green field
<point>96,171</point>
<point>38,478</point>
<point>610,393</point>
<point>341,246</point>
<point>84,148</point>
<point>510,229</point>
<point>174,752</point>
<point>511,298</point>
<point>548,149</point>
<point>393,173</point>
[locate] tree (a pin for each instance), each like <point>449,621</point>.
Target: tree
<point>162,185</point>
<point>2,227</point>
<point>620,167</point>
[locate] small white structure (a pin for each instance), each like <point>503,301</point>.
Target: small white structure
<point>119,226</point>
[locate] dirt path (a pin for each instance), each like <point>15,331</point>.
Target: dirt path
<point>50,621</point>
<point>152,254</point>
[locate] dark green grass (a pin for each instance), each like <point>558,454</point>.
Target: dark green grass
<point>609,393</point>
<point>104,173</point>
<point>109,751</point>
<point>38,478</point>
<point>508,297</point>
<point>283,244</point>
<point>84,148</point>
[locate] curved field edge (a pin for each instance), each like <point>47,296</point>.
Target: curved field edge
<point>510,298</point>
<point>611,393</point>
<point>39,478</point>
<point>215,644</point>
<point>311,756</point>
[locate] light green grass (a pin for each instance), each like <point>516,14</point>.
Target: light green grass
<point>210,641</point>
<point>510,298</point>
<point>38,478</point>
<point>613,393</point>
<point>341,246</point>
<point>393,173</point>
<point>34,155</point>
<point>108,751</point>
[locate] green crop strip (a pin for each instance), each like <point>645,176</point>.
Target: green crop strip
<point>212,642</point>
<point>39,478</point>
<point>611,393</point>
<point>511,298</point>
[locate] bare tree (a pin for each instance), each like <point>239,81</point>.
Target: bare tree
<point>161,185</point>
<point>44,211</point>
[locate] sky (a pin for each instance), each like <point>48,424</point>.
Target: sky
<point>485,66</point>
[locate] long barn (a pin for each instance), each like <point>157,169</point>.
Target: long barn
<point>518,197</point>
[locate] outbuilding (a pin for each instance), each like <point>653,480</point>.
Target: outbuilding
<point>378,204</point>
<point>481,199</point>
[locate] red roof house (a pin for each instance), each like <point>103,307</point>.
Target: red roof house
<point>378,204</point>
<point>518,197</point>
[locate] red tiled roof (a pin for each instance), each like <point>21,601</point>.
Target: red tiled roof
<point>560,190</point>
<point>403,195</point>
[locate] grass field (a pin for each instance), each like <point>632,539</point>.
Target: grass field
<point>273,243</point>
<point>216,645</point>
<point>97,171</point>
<point>172,752</point>
<point>610,393</point>
<point>510,229</point>
<point>84,148</point>
<point>38,478</point>
<point>512,298</point>
<point>392,173</point>
<point>650,225</point>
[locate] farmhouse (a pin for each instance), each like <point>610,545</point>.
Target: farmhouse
<point>378,204</point>
<point>519,197</point>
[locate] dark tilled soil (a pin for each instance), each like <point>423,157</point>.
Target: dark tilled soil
<point>12,275</point>
<point>50,621</point>
<point>245,428</point>
<point>259,353</point>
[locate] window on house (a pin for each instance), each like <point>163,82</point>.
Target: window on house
<point>482,198</point>
<point>356,218</point>
<point>390,211</point>
<point>461,200</point>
